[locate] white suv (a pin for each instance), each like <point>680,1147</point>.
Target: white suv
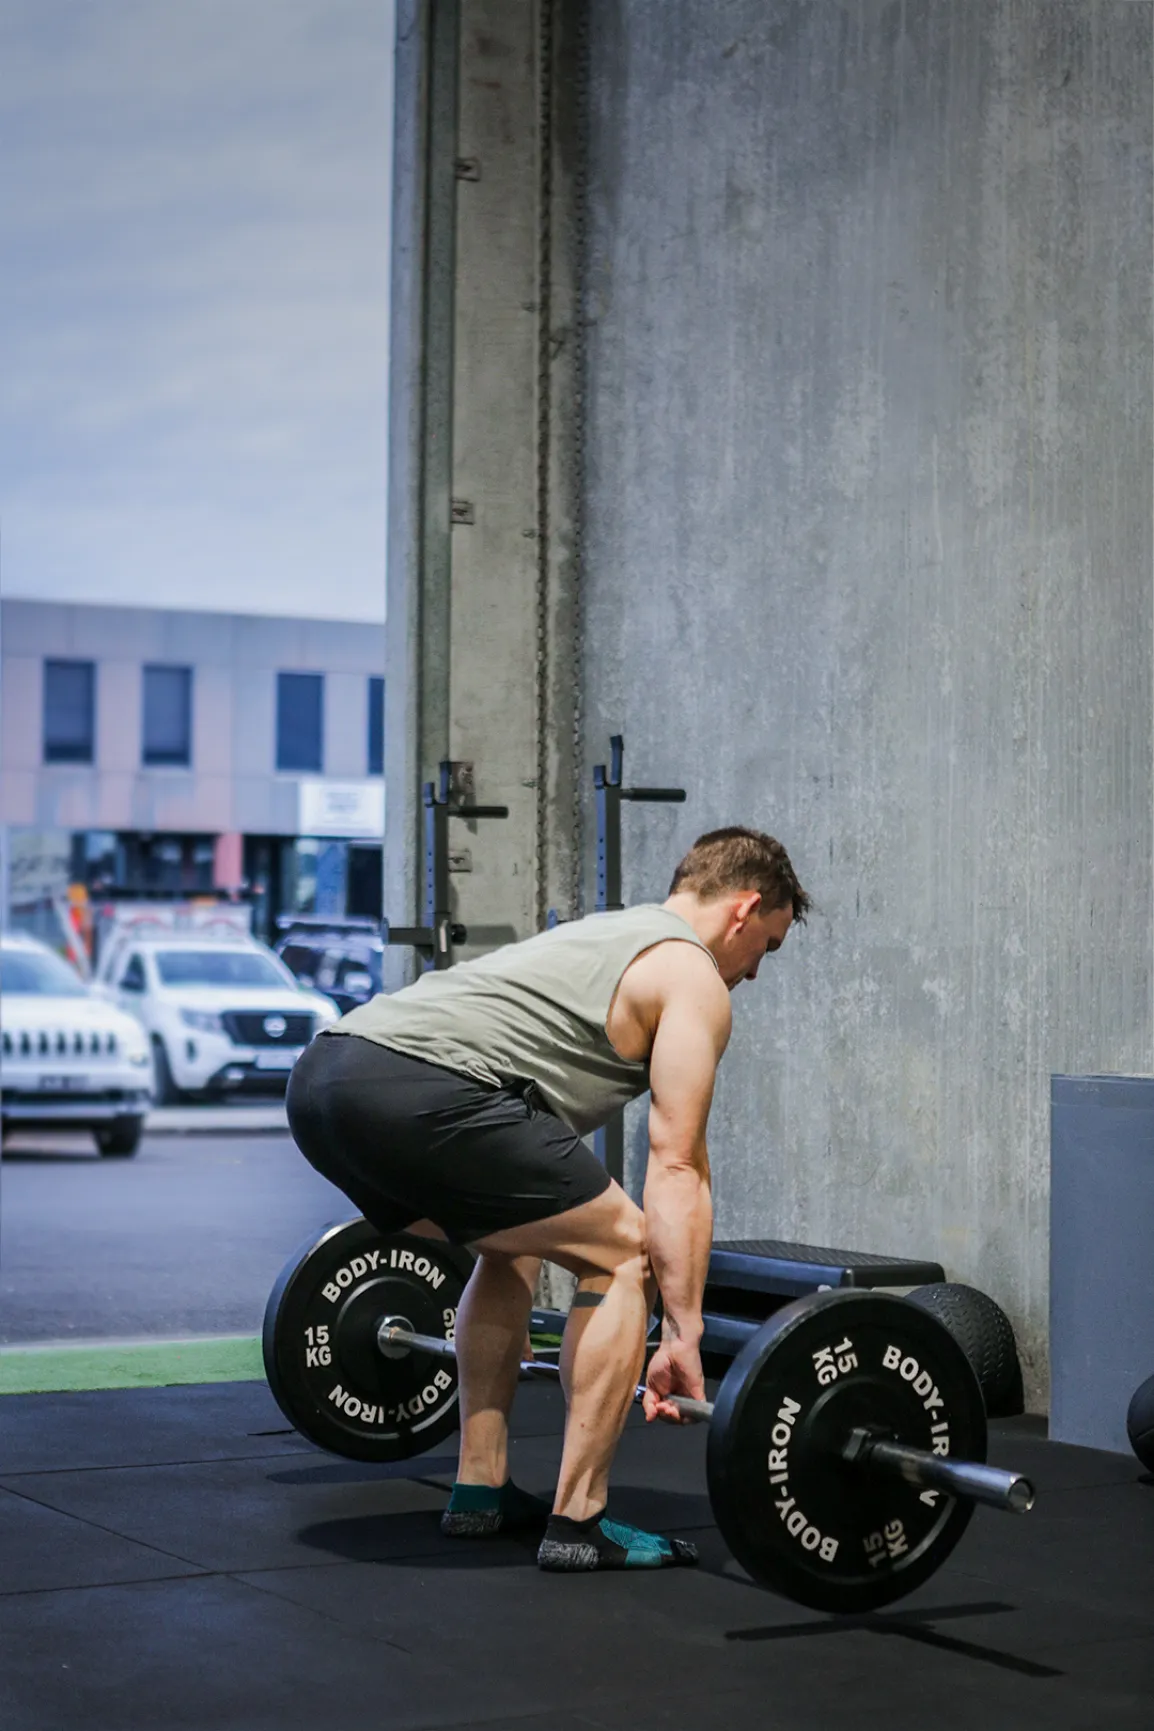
<point>70,1059</point>
<point>224,1016</point>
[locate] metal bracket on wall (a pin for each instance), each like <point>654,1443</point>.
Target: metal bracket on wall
<point>437,938</point>
<point>609,1142</point>
<point>462,511</point>
<point>610,793</point>
<point>467,168</point>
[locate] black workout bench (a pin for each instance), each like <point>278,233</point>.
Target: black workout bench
<point>750,1278</point>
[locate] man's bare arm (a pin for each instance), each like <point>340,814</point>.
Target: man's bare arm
<point>692,1033</point>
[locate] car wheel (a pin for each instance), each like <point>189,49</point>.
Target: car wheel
<point>120,1137</point>
<point>167,1092</point>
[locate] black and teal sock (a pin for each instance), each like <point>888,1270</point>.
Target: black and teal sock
<point>598,1543</point>
<point>479,1511</point>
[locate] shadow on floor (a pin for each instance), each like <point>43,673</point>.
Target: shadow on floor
<point>911,1626</point>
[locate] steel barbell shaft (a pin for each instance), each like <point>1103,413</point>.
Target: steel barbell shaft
<point>392,1335</point>
<point>1010,1492</point>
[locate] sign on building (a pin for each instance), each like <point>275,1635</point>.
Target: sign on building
<point>342,808</point>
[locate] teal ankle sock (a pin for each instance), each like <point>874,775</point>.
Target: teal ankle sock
<point>575,1546</point>
<point>475,1499</point>
<point>477,1511</point>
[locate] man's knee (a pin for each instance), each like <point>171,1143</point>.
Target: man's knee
<point>511,1265</point>
<point>635,1244</point>
<point>624,1251</point>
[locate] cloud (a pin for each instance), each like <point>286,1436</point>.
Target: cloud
<point>194,320</point>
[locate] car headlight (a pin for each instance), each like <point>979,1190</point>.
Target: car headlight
<point>207,1021</point>
<point>327,1012</point>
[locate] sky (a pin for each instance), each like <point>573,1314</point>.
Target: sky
<point>194,303</point>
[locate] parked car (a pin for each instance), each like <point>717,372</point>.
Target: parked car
<point>341,958</point>
<point>224,1016</point>
<point>69,1059</point>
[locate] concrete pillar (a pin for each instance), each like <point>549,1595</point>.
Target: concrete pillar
<point>481,659</point>
<point>421,302</point>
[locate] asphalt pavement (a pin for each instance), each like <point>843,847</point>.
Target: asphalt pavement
<point>186,1238</point>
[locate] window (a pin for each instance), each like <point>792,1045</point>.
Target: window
<point>299,721</point>
<point>69,711</point>
<point>37,973</point>
<point>238,967</point>
<point>167,730</point>
<point>301,961</point>
<point>376,726</point>
<point>132,979</point>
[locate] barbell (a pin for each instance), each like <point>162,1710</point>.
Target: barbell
<point>846,1448</point>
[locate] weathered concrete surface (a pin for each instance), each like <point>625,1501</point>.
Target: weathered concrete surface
<point>420,444</point>
<point>482,574</point>
<point>494,626</point>
<point>869,565</point>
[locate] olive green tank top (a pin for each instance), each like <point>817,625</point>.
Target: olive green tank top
<point>533,1011</point>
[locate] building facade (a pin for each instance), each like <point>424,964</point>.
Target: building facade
<point>147,752</point>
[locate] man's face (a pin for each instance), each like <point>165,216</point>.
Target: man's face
<point>754,935</point>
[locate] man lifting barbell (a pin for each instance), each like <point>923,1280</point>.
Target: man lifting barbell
<point>847,1444</point>
<point>459,1104</point>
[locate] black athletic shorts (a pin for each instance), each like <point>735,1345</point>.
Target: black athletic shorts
<point>406,1141</point>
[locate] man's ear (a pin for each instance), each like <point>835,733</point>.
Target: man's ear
<point>747,906</point>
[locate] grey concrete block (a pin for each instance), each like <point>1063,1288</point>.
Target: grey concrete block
<point>1101,1254</point>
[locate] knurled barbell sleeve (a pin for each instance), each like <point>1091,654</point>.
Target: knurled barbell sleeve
<point>1010,1492</point>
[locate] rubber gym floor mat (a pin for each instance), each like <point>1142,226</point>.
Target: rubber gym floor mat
<point>946,1658</point>
<point>1059,1466</point>
<point>482,1646</point>
<point>209,1421</point>
<point>334,1600</point>
<point>134,1427</point>
<point>1091,1548</point>
<point>959,1615</point>
<point>42,1549</point>
<point>231,1515</point>
<point>215,1654</point>
<point>903,1695</point>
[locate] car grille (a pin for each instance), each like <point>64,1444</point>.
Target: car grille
<point>69,1099</point>
<point>247,1027</point>
<point>58,1043</point>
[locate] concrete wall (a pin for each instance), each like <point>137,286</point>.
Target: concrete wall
<point>232,783</point>
<point>868,539</point>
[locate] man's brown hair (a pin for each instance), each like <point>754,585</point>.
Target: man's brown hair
<point>741,859</point>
